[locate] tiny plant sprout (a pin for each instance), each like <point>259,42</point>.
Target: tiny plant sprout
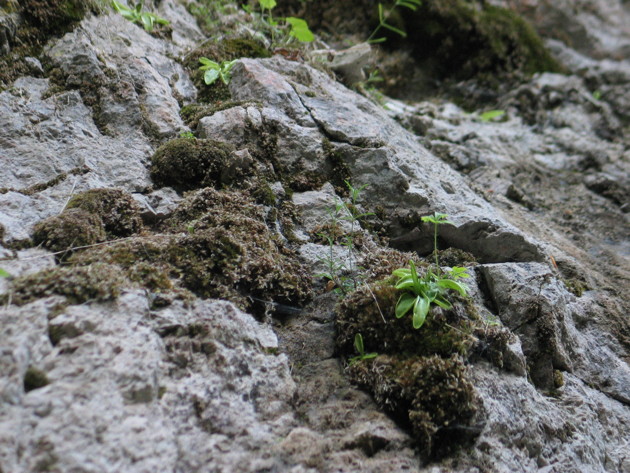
<point>136,15</point>
<point>360,348</point>
<point>214,70</point>
<point>491,115</point>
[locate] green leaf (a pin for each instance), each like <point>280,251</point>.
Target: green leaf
<point>437,218</point>
<point>369,356</point>
<point>147,21</point>
<point>395,30</point>
<point>491,115</point>
<point>414,274</point>
<point>4,274</point>
<point>211,76</point>
<point>300,29</point>
<point>358,344</point>
<point>267,4</point>
<point>380,13</point>
<point>420,311</point>
<point>405,283</point>
<point>458,272</point>
<point>443,303</point>
<point>402,272</point>
<point>405,302</point>
<point>208,64</point>
<point>450,284</point>
<point>377,40</point>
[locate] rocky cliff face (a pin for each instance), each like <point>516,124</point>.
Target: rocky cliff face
<point>163,310</point>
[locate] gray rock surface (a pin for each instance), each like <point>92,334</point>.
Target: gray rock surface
<point>166,381</point>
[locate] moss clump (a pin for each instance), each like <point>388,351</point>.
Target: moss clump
<point>118,211</point>
<point>54,16</point>
<point>96,282</point>
<point>191,114</point>
<point>456,257</point>
<point>216,245</point>
<point>34,379</point>
<point>70,229</point>
<point>187,164</point>
<point>444,333</point>
<point>431,396</point>
<point>463,39</point>
<point>223,50</point>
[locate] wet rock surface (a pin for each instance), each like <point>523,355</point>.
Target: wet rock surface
<point>163,310</point>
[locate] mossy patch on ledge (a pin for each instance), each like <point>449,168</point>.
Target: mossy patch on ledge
<point>90,217</point>
<point>40,20</point>
<point>222,50</point>
<point>188,163</point>
<point>118,211</point>
<point>216,244</point>
<point>430,396</point>
<point>94,282</point>
<point>420,376</point>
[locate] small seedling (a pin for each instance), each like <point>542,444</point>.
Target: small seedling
<point>360,348</point>
<point>136,15</point>
<point>214,70</point>
<point>383,17</point>
<point>343,211</point>
<point>298,28</point>
<point>4,274</point>
<point>187,134</point>
<point>491,115</point>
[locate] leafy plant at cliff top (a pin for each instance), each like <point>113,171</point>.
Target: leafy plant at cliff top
<point>384,16</point>
<point>214,70</point>
<point>298,28</point>
<point>420,292</point>
<point>136,15</point>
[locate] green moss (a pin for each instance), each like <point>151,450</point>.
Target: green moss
<point>456,257</point>
<point>191,114</point>
<point>117,209</point>
<point>575,286</point>
<point>70,229</point>
<point>53,16</point>
<point>42,19</point>
<point>34,379</point>
<point>462,39</point>
<point>431,396</point>
<point>95,282</point>
<point>217,245</point>
<point>34,189</point>
<point>444,333</point>
<point>188,164</point>
<point>222,50</point>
